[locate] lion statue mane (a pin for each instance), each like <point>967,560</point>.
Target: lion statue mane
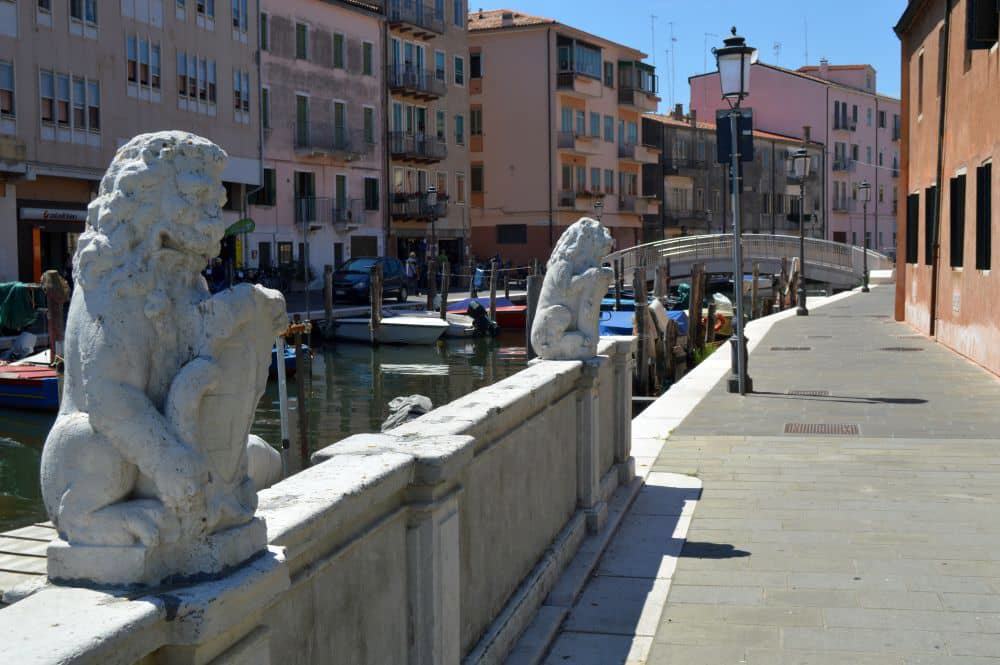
<point>565,325</point>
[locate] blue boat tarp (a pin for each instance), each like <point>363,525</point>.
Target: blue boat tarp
<point>623,323</point>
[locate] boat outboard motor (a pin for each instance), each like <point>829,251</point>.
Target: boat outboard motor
<point>481,320</point>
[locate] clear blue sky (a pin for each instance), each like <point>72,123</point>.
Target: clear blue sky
<point>843,31</point>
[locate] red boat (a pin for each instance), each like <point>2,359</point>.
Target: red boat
<point>512,316</point>
<point>29,387</point>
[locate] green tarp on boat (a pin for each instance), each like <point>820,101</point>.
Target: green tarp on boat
<point>19,303</point>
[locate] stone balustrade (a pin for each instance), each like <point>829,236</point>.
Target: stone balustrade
<point>434,543</point>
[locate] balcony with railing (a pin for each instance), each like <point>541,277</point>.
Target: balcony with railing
<point>581,200</point>
<point>422,84</point>
<point>416,207</point>
<point>416,148</point>
<point>347,213</point>
<point>579,67</point>
<point>844,205</point>
<point>676,165</point>
<point>844,125</point>
<point>413,16</point>
<point>577,142</point>
<point>845,164</point>
<point>638,85</point>
<point>324,139</point>
<point>341,213</point>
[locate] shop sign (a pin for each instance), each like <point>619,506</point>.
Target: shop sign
<point>54,214</point>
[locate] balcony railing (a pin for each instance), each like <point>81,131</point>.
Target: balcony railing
<point>626,150</point>
<point>347,212</point>
<point>843,164</point>
<point>674,163</point>
<point>422,83</point>
<point>681,214</point>
<point>326,210</point>
<point>632,96</point>
<point>627,202</point>
<point>416,207</point>
<point>412,14</point>
<point>568,139</point>
<point>844,205</point>
<point>324,138</point>
<point>848,126</point>
<point>416,147</point>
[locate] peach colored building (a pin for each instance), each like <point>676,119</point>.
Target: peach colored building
<point>858,126</point>
<point>78,79</point>
<point>945,282</point>
<point>324,159</point>
<point>556,127</point>
<point>428,77</point>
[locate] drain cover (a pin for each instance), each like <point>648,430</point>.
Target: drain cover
<point>810,393</point>
<point>819,336</point>
<point>835,429</point>
<point>909,336</point>
<point>901,348</point>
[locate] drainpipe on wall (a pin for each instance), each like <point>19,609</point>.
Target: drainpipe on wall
<point>774,184</point>
<point>548,100</point>
<point>826,179</point>
<point>940,172</point>
<point>260,143</point>
<point>386,113</point>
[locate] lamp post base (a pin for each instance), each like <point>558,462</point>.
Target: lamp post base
<point>733,382</point>
<point>865,289</point>
<point>802,310</point>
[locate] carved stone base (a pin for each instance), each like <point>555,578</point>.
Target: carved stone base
<point>140,566</point>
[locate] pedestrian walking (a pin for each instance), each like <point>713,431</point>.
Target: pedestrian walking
<point>412,274</point>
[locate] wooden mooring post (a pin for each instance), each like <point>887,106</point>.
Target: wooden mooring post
<point>783,283</point>
<point>375,297</point>
<point>642,355</point>
<point>301,389</point>
<point>328,295</point>
<point>534,290</point>
<point>695,335</point>
<point>710,324</point>
<point>431,283</point>
<point>445,284</point>
<point>493,289</point>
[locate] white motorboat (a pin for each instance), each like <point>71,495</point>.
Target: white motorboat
<point>393,329</point>
<point>459,325</point>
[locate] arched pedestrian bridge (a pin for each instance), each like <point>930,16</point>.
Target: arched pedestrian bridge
<point>827,261</point>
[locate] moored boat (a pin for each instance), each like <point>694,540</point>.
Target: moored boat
<point>29,386</point>
<point>402,329</point>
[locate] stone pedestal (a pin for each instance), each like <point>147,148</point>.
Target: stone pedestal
<point>140,566</point>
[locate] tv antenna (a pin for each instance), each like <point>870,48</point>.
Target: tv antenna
<point>704,55</point>
<point>673,62</point>
<point>777,53</point>
<point>805,31</point>
<point>652,36</point>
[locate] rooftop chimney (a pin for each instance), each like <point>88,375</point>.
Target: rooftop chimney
<point>678,113</point>
<point>507,19</point>
<point>693,115</point>
<point>824,67</point>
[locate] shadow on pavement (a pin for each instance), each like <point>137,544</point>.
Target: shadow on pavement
<point>846,399</point>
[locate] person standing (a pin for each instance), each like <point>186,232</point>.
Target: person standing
<point>412,274</point>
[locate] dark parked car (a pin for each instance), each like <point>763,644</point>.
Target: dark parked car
<point>352,280</point>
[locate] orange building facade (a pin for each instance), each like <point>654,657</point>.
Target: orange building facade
<point>948,263</point>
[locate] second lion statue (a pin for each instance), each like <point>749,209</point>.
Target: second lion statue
<point>566,324</point>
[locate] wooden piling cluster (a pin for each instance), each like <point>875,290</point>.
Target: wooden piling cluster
<point>645,353</point>
<point>696,336</point>
<point>533,286</point>
<point>431,283</point>
<point>375,296</point>
<point>445,284</point>
<point>493,290</point>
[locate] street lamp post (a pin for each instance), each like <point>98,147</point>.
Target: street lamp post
<point>865,192</point>
<point>734,60</point>
<point>598,208</point>
<point>800,161</point>
<point>432,199</point>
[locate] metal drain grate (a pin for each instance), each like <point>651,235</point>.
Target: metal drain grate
<point>791,348</point>
<point>901,348</point>
<point>819,336</point>
<point>834,429</point>
<point>810,393</point>
<point>909,337</point>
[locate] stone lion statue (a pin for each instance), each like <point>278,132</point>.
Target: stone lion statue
<point>162,378</point>
<point>565,325</point>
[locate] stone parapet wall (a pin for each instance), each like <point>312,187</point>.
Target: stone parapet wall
<point>434,543</point>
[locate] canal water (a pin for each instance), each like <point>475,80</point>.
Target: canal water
<point>351,387</point>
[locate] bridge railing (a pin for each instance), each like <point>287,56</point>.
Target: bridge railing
<point>756,247</point>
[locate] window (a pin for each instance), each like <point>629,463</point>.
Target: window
<point>439,72</point>
<point>458,15</point>
<point>512,234</point>
<point>459,70</point>
<point>567,177</point>
<point>83,10</point>
<point>301,41</point>
<point>868,116</point>
<point>566,119</point>
<point>855,152</point>
<point>930,213</point>
<point>609,128</point>
<point>206,8</point>
<point>284,253</point>
<point>182,74</point>
<point>442,133</point>
<point>595,125</point>
<point>581,178</point>
<point>881,193</point>
<point>73,103</point>
<point>581,123</point>
<point>439,11</point>
<point>144,61</point>
<point>62,99</point>
<point>154,66</point>
<point>371,194</point>
<point>369,121</point>
<point>881,119</point>
<point>203,79</point>
<point>265,32</point>
<point>609,74</point>
<point>476,121</point>
<point>595,180</point>
<point>475,65</point>
<point>984,216</point>
<point>211,82</point>
<point>868,154</point>
<point>367,68</point>
<point>912,224</point>
<point>981,21</point>
<point>609,181</point>
<point>265,108</point>
<point>79,102</point>
<point>920,84</point>
<point>45,5</point>
<point>239,15</point>
<point>460,129</point>
<point>854,114</point>
<point>956,220</point>
<point>476,179</point>
<point>338,51</point>
<point>266,195</point>
<point>460,188</point>
<point>6,89</point>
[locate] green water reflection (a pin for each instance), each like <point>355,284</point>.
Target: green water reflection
<point>351,386</point>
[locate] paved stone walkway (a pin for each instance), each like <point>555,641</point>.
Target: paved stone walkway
<point>881,547</point>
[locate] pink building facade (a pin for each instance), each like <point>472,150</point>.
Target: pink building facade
<point>859,128</point>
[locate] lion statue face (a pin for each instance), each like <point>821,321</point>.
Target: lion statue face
<point>159,210</point>
<point>585,243</point>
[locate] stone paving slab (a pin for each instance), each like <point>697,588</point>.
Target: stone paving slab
<point>877,548</point>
